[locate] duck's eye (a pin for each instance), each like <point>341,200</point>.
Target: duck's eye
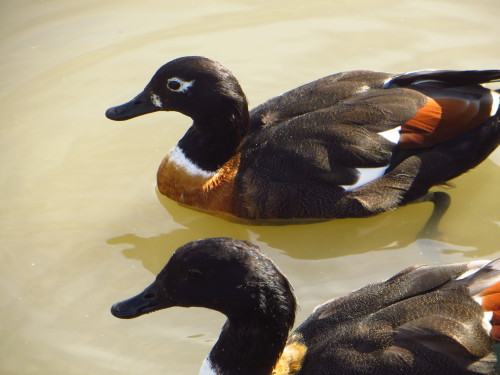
<point>193,274</point>
<point>174,85</point>
<point>177,84</point>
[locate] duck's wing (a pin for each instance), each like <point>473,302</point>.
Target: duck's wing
<point>430,107</point>
<point>424,320</point>
<point>453,323</point>
<point>308,161</point>
<point>410,282</point>
<point>447,153</point>
<point>320,94</point>
<point>323,155</point>
<point>453,101</point>
<point>415,175</point>
<point>328,144</point>
<point>340,153</point>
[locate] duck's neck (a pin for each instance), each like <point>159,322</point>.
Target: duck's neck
<point>212,140</point>
<point>247,347</point>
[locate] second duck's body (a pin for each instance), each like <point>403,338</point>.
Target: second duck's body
<point>353,144</point>
<point>440,320</point>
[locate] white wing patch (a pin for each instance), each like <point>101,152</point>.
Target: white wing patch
<point>366,175</point>
<point>487,316</point>
<point>178,158</point>
<point>475,266</point>
<point>392,135</point>
<point>495,102</point>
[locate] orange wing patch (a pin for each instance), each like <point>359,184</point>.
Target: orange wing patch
<point>292,358</point>
<point>443,118</point>
<point>491,302</point>
<point>415,131</point>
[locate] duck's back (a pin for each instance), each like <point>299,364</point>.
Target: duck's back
<point>314,96</point>
<point>421,321</point>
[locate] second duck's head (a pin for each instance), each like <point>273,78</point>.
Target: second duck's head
<point>223,274</point>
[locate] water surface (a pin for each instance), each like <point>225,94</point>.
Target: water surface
<point>81,223</point>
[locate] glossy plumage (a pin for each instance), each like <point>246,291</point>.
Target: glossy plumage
<point>424,320</point>
<point>353,144</point>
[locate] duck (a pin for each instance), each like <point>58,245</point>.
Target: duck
<point>442,319</point>
<point>352,144</point>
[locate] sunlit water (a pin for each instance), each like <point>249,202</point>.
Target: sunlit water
<point>81,224</point>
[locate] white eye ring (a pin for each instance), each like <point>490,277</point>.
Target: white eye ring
<point>176,84</point>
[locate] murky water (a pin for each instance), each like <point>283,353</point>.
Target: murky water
<point>81,223</point>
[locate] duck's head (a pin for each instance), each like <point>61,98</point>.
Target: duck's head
<point>195,86</point>
<point>231,276</point>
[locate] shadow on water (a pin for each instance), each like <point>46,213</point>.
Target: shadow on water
<point>325,240</point>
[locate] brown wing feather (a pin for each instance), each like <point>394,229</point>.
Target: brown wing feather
<point>447,113</point>
<point>490,300</point>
